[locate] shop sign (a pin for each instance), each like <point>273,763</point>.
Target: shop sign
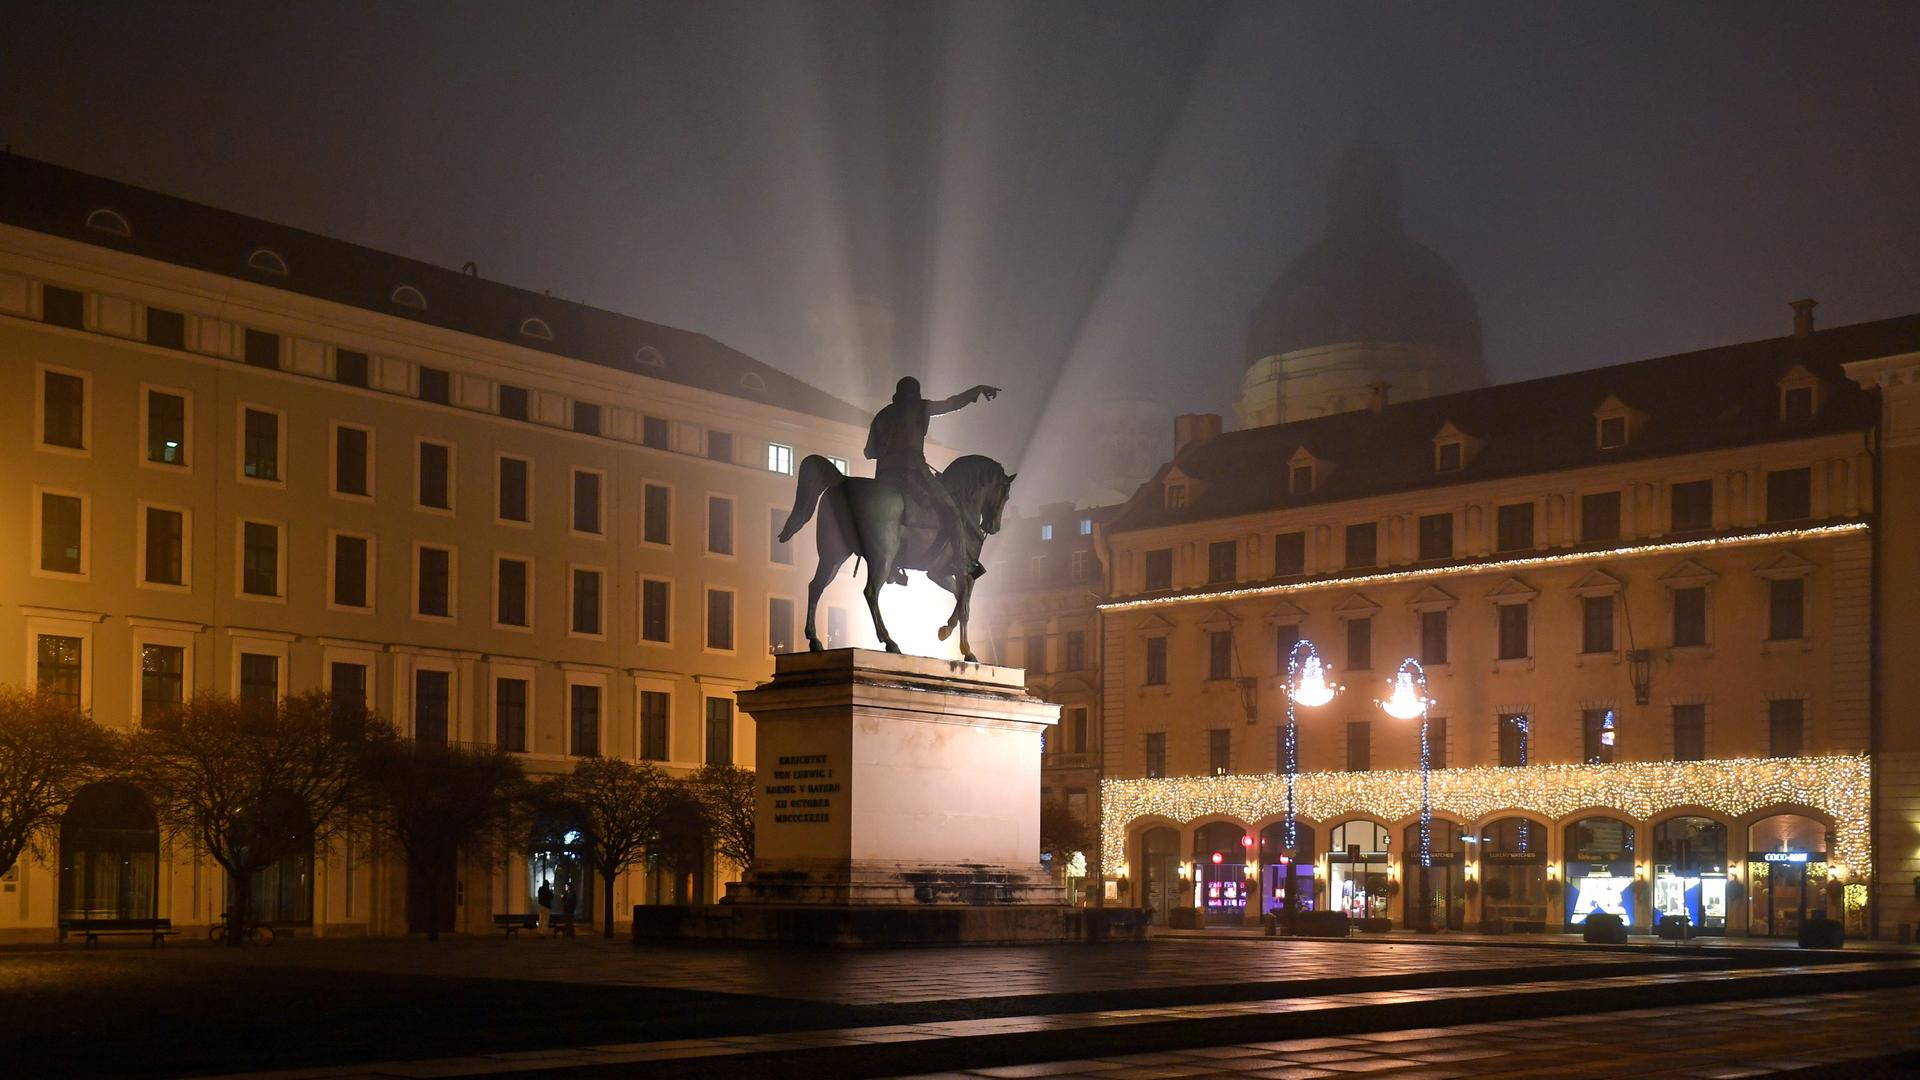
<point>1785,856</point>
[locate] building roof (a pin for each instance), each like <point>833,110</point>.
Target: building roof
<point>60,202</point>
<point>1687,403</point>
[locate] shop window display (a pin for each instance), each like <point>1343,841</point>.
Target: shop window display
<point>1276,867</point>
<point>1358,881</point>
<point>1690,871</point>
<point>1220,872</point>
<point>1599,870</point>
<point>1513,858</point>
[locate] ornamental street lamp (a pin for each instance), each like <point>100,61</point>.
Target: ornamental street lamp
<point>1406,699</point>
<point>1306,685</point>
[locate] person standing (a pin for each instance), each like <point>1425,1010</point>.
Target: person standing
<point>544,895</point>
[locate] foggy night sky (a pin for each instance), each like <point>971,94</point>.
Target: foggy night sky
<point>1062,199</point>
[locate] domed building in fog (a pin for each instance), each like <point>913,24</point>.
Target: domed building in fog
<point>1366,304</point>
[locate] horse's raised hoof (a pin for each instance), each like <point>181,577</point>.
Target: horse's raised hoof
<point>946,632</point>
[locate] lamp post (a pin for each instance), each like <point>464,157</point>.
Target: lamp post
<point>1306,685</point>
<point>1406,699</point>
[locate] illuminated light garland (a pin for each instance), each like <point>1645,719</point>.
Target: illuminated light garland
<point>1671,547</point>
<point>1837,786</point>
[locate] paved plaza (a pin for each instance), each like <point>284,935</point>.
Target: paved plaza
<point>1178,1006</point>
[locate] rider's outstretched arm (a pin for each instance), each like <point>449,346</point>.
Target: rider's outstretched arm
<point>961,399</point>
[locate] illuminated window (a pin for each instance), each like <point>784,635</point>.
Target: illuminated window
<point>780,459</point>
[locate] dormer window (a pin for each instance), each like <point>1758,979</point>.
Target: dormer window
<point>1799,395</point>
<point>1300,479</point>
<point>267,261</point>
<point>1447,457</point>
<point>110,222</point>
<point>648,356</point>
<point>752,381</point>
<point>1796,404</point>
<point>1612,432</point>
<point>536,328</point>
<point>1176,496</point>
<point>407,296</point>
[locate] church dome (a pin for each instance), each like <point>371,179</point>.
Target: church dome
<point>1366,280</point>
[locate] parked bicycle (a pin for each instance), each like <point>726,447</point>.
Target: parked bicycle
<point>256,933</point>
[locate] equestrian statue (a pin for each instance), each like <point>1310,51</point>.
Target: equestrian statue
<point>907,517</point>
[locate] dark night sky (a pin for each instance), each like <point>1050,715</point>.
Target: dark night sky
<point>1073,201</point>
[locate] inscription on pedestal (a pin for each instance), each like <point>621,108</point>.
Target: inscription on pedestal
<point>801,789</point>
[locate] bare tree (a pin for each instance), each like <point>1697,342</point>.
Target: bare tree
<point>436,800</point>
<point>253,783</point>
<point>49,750</point>
<point>617,805</point>
<point>726,797</point>
<point>1062,832</point>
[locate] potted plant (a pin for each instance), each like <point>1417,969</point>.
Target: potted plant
<point>1472,889</point>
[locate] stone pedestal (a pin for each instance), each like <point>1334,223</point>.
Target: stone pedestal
<point>898,802</point>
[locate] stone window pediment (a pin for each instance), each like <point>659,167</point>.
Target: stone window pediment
<point>1615,423</point>
<point>1512,591</point>
<point>1355,606</point>
<point>1285,613</point>
<point>1454,449</point>
<point>1219,619</point>
<point>1596,582</point>
<point>1152,625</point>
<point>1785,565</point>
<point>1432,598</point>
<point>1688,575</point>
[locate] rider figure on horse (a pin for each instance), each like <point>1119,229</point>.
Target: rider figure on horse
<point>897,442</point>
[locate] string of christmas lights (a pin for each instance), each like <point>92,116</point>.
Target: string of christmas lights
<point>1836,786</point>
<point>1525,562</point>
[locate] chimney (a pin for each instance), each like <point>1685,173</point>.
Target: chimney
<point>1192,429</point>
<point>1377,402</point>
<point>1803,316</point>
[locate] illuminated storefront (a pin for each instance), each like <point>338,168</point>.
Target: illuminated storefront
<point>1446,880</point>
<point>1220,864</point>
<point>1513,864</point>
<point>1160,877</point>
<point>1276,868</point>
<point>1599,870</point>
<point>1786,874</point>
<point>1357,877</point>
<point>1690,871</point>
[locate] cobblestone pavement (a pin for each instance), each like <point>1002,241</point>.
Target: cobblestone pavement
<point>856,977</point>
<point>1726,1039</point>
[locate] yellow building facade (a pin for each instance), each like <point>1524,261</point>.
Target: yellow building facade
<point>251,460</point>
<point>1642,599</point>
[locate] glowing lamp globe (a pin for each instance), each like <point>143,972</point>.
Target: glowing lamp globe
<point>1314,688</point>
<point>1218,858</point>
<point>1405,702</point>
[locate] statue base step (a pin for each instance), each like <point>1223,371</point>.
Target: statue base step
<point>885,925</point>
<point>894,884</point>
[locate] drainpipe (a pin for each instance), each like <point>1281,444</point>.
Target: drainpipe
<point>1875,547</point>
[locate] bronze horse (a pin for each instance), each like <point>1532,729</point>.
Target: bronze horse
<point>870,519</point>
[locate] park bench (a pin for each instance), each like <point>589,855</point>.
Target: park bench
<point>560,923</point>
<point>92,930</point>
<point>513,924</point>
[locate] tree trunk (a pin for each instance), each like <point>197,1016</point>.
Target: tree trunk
<point>433,907</point>
<point>239,906</point>
<point>606,903</point>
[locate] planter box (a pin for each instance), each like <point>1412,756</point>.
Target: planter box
<point>1604,929</point>
<point>1320,924</point>
<point>1822,934</point>
<point>1373,926</point>
<point>1674,928</point>
<point>1183,918</point>
<point>1493,926</point>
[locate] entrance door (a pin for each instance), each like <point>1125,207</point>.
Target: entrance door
<point>426,911</point>
<point>1447,895</point>
<point>1160,881</point>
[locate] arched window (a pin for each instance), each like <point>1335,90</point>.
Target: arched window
<point>111,222</point>
<point>648,356</point>
<point>1690,871</point>
<point>267,261</point>
<point>1357,882</point>
<point>557,860</point>
<point>536,327</point>
<point>109,854</point>
<point>1599,869</point>
<point>1513,871</point>
<point>409,297</point>
<point>752,381</point>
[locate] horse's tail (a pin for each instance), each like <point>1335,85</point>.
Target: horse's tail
<point>817,475</point>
